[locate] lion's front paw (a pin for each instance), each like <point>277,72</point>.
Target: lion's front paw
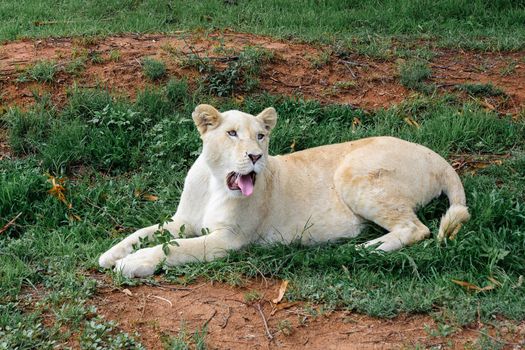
<point>142,263</point>
<point>109,258</point>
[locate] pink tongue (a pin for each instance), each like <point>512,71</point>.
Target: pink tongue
<point>245,184</point>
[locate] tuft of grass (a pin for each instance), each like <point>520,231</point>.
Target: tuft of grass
<point>43,71</point>
<point>153,69</point>
<point>76,66</point>
<point>183,341</point>
<point>487,90</point>
<point>413,73</point>
<point>240,75</point>
<point>114,55</point>
<point>320,60</point>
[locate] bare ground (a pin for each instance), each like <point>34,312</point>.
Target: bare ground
<point>355,80</point>
<point>234,321</point>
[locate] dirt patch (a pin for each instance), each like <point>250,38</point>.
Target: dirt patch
<point>234,321</point>
<point>298,69</point>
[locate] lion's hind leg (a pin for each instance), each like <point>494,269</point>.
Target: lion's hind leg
<point>385,205</point>
<point>403,233</point>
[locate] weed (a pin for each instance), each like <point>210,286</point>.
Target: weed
<point>413,73</point>
<point>285,327</point>
<point>43,71</point>
<point>27,130</point>
<point>240,75</point>
<point>343,85</point>
<point>182,341</point>
<point>487,342</point>
<point>76,66</point>
<point>98,334</point>
<point>508,69</point>
<point>31,335</point>
<point>487,90</point>
<point>252,296</point>
<point>114,55</point>
<point>96,57</point>
<point>320,60</point>
<point>79,52</point>
<point>153,69</point>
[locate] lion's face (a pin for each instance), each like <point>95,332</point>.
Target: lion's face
<point>235,145</point>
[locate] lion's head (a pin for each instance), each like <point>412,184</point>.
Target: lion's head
<point>235,145</point>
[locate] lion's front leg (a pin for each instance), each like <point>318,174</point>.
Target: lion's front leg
<point>205,248</point>
<point>125,247</point>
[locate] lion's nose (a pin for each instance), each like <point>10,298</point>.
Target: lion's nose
<point>254,157</point>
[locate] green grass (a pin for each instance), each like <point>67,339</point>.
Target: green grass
<point>153,69</point>
<point>108,149</point>
<point>479,24</point>
<point>413,73</point>
<point>42,71</point>
<point>487,90</point>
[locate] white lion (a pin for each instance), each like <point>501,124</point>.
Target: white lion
<point>241,195</point>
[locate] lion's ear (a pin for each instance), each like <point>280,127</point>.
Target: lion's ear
<point>206,117</point>
<point>268,117</point>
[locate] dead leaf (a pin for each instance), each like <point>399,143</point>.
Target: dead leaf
<point>150,197</point>
<point>470,286</point>
<point>467,285</point>
<point>58,190</point>
<point>292,146</point>
<point>10,223</point>
<point>74,217</point>
<point>283,306</point>
<point>239,99</point>
<point>282,290</point>
<point>495,281</point>
<point>127,292</point>
<point>487,105</point>
<point>411,122</point>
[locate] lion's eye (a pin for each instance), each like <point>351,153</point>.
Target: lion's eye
<point>260,136</point>
<point>232,133</point>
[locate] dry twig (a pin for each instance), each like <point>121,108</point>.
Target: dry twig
<point>268,334</point>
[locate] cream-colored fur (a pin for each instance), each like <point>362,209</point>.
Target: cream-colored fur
<point>316,195</point>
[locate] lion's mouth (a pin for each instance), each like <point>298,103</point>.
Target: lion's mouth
<point>243,183</point>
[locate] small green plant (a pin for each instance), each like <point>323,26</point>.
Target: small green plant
<point>252,296</point>
<point>413,73</point>
<point>285,327</point>
<point>114,55</point>
<point>43,71</point>
<point>442,330</point>
<point>320,60</point>
<point>182,341</point>
<point>76,66</point>
<point>98,334</point>
<point>96,57</point>
<point>26,336</point>
<point>487,90</point>
<point>508,69</point>
<point>241,74</point>
<point>153,69</point>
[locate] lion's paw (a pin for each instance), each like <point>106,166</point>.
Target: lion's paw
<point>142,263</point>
<point>109,258</point>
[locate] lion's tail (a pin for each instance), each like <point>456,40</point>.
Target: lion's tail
<point>458,213</point>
